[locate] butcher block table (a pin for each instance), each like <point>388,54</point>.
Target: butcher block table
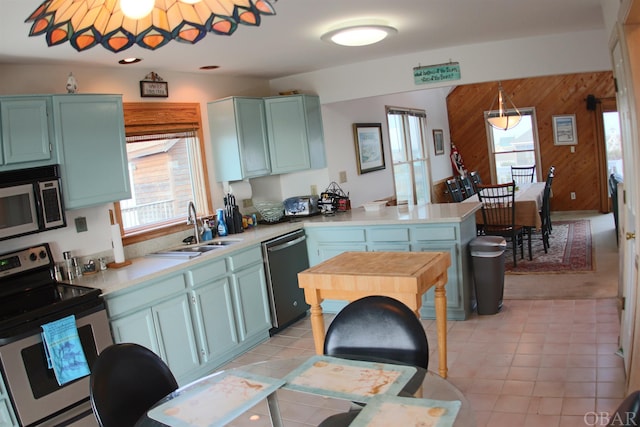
<point>405,276</point>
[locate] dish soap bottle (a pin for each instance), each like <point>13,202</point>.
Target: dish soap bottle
<point>222,226</point>
<point>207,233</point>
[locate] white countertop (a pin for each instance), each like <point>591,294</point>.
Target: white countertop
<point>149,267</point>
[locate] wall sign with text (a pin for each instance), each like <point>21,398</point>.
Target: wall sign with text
<point>436,73</point>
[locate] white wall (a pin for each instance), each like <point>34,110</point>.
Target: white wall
<point>502,60</point>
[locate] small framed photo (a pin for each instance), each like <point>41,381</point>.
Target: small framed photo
<point>438,141</point>
<point>564,130</point>
<point>369,151</point>
<point>154,89</point>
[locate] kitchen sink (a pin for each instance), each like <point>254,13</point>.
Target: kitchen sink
<point>194,250</point>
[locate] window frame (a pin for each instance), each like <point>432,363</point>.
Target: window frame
<point>529,111</point>
<point>405,112</point>
<point>164,117</point>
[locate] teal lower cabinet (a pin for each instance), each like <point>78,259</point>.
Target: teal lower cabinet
<point>197,318</point>
<point>453,237</point>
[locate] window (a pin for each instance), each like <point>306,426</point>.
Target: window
<point>409,155</point>
<point>167,169</point>
<point>517,146</point>
<point>165,173</point>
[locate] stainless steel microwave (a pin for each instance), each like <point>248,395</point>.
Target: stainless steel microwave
<point>30,201</point>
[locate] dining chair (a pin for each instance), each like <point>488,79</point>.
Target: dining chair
<point>454,190</point>
<point>465,184</point>
<point>377,328</point>
<point>474,176</point>
<point>628,412</point>
<point>499,216</point>
<point>614,179</point>
<point>126,380</point>
<point>523,174</point>
<point>545,210</point>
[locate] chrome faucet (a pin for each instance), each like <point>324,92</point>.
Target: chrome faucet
<point>192,218</point>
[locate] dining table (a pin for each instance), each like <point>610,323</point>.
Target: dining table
<point>528,200</point>
<point>305,390</point>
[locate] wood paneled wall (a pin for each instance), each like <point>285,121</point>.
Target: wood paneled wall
<point>564,94</point>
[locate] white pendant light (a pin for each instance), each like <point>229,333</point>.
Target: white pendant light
<point>136,9</point>
<point>507,115</point>
<point>359,35</point>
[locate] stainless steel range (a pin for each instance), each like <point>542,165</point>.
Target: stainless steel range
<point>29,298</point>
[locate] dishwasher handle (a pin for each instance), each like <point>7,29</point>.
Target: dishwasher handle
<point>287,244</point>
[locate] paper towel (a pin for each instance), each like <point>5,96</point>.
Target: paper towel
<point>241,189</point>
<point>116,241</point>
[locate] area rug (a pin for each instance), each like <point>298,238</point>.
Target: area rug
<point>570,251</point>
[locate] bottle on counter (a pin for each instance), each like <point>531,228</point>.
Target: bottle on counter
<point>70,269</point>
<point>222,225</point>
<point>207,233</point>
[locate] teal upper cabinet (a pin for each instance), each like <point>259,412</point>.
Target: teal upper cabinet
<point>296,138</point>
<point>26,132</point>
<point>239,138</point>
<point>89,131</point>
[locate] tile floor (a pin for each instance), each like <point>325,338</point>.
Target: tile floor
<point>535,363</point>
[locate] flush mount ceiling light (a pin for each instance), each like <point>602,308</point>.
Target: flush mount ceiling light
<point>503,114</point>
<point>359,35</point>
<point>87,23</point>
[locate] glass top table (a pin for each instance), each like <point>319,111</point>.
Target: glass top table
<point>308,389</point>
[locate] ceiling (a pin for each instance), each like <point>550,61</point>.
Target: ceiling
<point>289,42</point>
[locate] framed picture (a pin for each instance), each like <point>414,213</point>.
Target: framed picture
<point>369,151</point>
<point>154,89</point>
<point>564,130</point>
<point>438,141</point>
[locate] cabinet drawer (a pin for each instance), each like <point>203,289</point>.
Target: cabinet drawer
<point>388,234</point>
<point>339,235</point>
<point>434,233</point>
<point>245,258</point>
<point>145,295</point>
<point>206,272</point>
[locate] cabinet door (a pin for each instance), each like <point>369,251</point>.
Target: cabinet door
<point>216,322</point>
<point>137,328</point>
<point>454,287</point>
<point>92,154</point>
<point>287,129</point>
<point>176,336</point>
<point>7,416</point>
<point>25,131</point>
<point>239,138</point>
<point>252,302</point>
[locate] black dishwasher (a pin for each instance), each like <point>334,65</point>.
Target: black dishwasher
<point>284,257</point>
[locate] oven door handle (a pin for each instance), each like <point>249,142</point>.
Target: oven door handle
<point>287,244</point>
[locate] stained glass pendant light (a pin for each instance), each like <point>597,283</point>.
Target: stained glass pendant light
<point>87,23</point>
<point>506,115</point>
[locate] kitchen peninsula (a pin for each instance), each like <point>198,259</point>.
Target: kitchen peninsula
<point>198,313</point>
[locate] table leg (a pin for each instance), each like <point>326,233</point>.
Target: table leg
<point>441,323</point>
<point>317,319</point>
<point>274,410</point>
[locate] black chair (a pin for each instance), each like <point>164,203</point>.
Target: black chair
<point>545,210</point>
<point>466,186</point>
<point>627,414</point>
<point>127,380</point>
<point>474,176</point>
<point>614,179</point>
<point>377,328</point>
<point>454,190</point>
<point>523,174</point>
<point>499,216</point>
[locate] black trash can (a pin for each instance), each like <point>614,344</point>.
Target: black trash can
<point>487,256</point>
